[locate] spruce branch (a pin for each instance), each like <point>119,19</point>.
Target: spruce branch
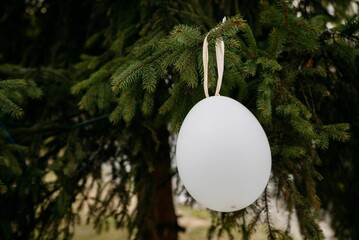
<point>285,13</point>
<point>88,99</point>
<point>276,42</point>
<point>186,65</point>
<point>349,30</point>
<point>258,211</point>
<point>9,89</point>
<point>269,64</point>
<point>83,85</point>
<point>149,78</point>
<point>293,152</point>
<point>338,132</point>
<point>186,36</point>
<point>12,84</point>
<point>148,103</point>
<point>9,107</point>
<point>124,77</point>
<point>270,230</point>
<point>104,95</point>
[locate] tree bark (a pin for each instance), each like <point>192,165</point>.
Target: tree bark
<point>159,220</point>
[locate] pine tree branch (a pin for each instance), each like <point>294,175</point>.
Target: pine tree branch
<point>7,106</point>
<point>285,13</point>
<point>118,84</point>
<point>271,235</point>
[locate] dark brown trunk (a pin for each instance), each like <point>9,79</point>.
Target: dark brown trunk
<point>159,220</point>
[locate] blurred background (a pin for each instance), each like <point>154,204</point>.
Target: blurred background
<point>92,94</point>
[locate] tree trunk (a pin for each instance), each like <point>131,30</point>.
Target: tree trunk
<point>159,220</point>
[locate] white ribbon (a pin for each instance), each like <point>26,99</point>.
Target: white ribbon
<point>220,63</point>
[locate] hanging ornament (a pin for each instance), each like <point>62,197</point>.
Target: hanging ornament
<point>223,155</point>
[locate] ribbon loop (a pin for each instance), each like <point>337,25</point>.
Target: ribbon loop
<point>220,63</point>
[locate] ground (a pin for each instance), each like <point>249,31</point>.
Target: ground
<point>195,220</point>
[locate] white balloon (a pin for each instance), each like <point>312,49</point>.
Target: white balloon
<point>223,155</point>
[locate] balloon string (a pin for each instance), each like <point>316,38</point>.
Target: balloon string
<point>220,63</point>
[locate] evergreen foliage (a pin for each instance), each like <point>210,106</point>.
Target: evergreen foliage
<point>13,91</point>
<point>107,85</point>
